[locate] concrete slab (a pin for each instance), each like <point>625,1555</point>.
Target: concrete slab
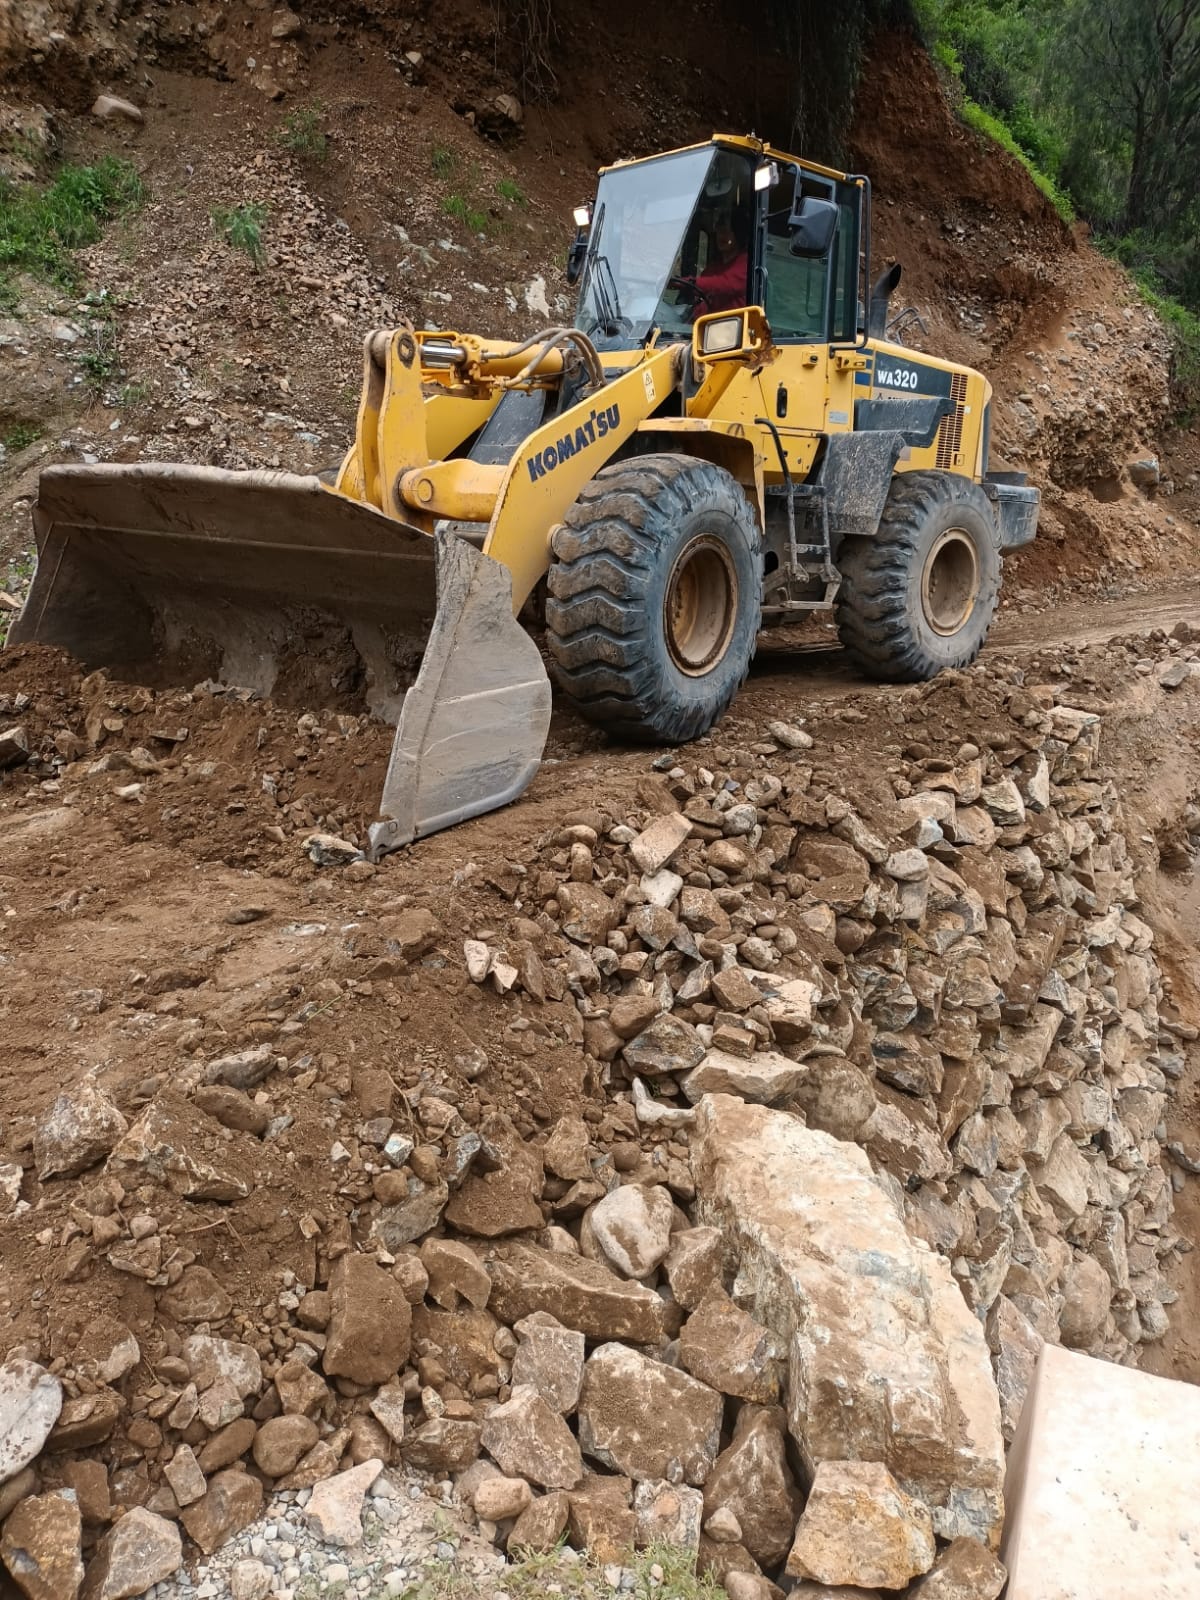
<point>1103,1485</point>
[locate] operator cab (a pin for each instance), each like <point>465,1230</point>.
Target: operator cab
<point>713,228</point>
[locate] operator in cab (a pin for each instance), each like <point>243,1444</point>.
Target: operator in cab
<point>722,284</point>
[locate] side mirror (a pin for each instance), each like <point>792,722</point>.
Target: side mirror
<point>576,256</point>
<point>812,227</point>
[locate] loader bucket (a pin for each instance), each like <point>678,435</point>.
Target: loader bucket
<point>169,575</point>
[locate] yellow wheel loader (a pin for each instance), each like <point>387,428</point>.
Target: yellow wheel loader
<point>726,437</point>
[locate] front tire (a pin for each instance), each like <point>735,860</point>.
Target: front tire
<point>920,595</point>
<point>655,597</point>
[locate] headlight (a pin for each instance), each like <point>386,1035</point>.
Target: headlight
<point>582,215</point>
<point>717,337</point>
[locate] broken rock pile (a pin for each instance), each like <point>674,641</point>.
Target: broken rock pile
<point>875,1099</point>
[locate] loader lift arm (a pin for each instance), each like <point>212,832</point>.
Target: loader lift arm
<point>473,726</point>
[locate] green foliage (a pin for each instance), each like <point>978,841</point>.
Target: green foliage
<point>20,436</point>
<point>984,122</point>
<point>509,189</point>
<point>444,162</point>
<point>42,226</point>
<point>661,1573</point>
<point>461,209</point>
<point>241,227</point>
<point>303,135</point>
<point>99,357</point>
<point>1102,97</point>
<point>1184,327</point>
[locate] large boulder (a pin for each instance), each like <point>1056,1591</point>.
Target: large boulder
<point>647,1420</point>
<point>526,1439</point>
<point>753,1481</point>
<point>886,1361</point>
<point>860,1528</point>
<point>370,1325</point>
<point>140,1550</point>
<point>728,1350</point>
<point>40,1546</point>
<point>581,1294</point>
<point>80,1129</point>
<point>632,1226</point>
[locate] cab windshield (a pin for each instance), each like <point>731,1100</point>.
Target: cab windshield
<point>669,242</point>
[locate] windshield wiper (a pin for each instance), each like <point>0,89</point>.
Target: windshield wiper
<point>614,304</point>
<point>608,305</point>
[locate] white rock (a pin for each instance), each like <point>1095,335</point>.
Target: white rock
<point>82,1127</point>
<point>1087,1522</point>
<point>249,1580</point>
<point>327,850</point>
<point>652,1113</point>
<point>632,1226</point>
<point>478,958</point>
<point>659,844</point>
<point>334,1509</point>
<point>907,865</point>
<point>30,1401</point>
<point>661,888</point>
<point>788,735</point>
<point>887,1362</point>
<point>765,1078</point>
<point>109,106</point>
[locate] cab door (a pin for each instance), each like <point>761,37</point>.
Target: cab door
<point>812,307</point>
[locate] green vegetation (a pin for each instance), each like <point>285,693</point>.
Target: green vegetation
<point>660,1573</point>
<point>1101,101</point>
<point>469,200</point>
<point>241,227</point>
<point>20,436</point>
<point>444,162</point>
<point>454,205</point>
<point>303,135</point>
<point>42,225</point>
<point>1184,326</point>
<point>99,357</point>
<point>984,122</point>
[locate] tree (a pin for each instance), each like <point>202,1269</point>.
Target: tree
<point>1132,77</point>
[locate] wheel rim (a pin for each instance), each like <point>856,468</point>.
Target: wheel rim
<point>700,607</point>
<point>950,582</point>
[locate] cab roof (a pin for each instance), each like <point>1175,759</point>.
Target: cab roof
<point>737,141</point>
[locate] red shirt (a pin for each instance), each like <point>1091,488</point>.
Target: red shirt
<point>723,288</point>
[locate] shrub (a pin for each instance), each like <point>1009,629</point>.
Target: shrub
<point>241,227</point>
<point>40,228</point>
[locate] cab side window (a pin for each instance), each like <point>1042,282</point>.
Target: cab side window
<point>796,290</point>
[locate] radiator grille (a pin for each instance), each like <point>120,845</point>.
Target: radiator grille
<point>949,439</point>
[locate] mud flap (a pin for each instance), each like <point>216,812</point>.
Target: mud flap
<point>474,724</point>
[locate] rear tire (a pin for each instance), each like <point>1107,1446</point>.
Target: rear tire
<point>655,597</point>
<point>920,596</point>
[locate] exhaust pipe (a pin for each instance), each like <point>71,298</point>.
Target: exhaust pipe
<point>882,291</point>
